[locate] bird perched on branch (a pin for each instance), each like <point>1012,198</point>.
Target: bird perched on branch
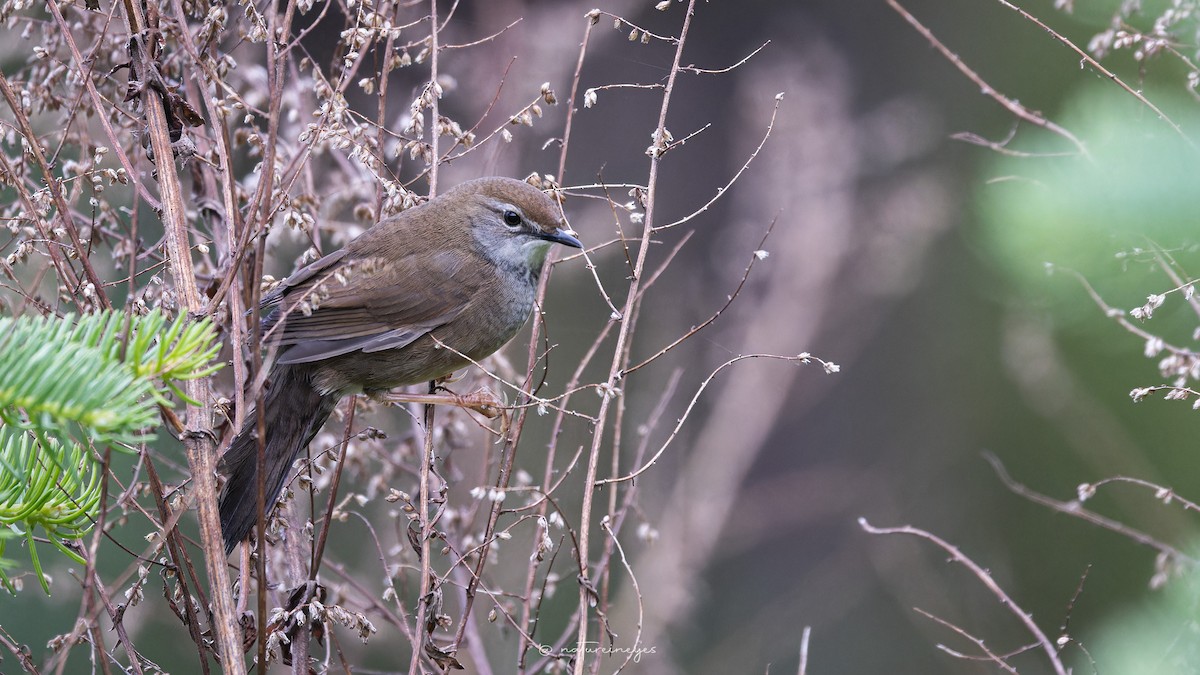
<point>460,270</point>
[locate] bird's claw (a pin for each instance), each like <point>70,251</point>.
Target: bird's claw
<point>483,401</point>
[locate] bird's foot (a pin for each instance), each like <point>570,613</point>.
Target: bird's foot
<point>483,400</point>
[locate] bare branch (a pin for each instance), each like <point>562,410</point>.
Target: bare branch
<point>986,579</point>
<point>1009,104</point>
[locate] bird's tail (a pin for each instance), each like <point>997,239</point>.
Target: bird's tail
<point>293,412</point>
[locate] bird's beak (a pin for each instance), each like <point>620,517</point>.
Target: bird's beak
<point>565,236</point>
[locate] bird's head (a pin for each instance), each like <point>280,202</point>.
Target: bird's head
<point>513,222</point>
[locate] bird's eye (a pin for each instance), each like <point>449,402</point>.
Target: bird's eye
<point>512,218</point>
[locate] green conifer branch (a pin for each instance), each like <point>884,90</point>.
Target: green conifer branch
<point>71,384</point>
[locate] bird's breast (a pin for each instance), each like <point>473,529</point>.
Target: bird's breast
<point>503,312</point>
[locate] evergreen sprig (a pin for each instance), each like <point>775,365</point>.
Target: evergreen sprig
<point>53,380</point>
<point>46,485</point>
<point>99,375</point>
<point>71,384</point>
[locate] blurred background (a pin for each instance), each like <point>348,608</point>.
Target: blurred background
<point>948,280</point>
<point>918,263</point>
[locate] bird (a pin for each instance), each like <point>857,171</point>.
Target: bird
<point>412,299</point>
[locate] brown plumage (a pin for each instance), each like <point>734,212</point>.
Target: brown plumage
<point>462,268</point>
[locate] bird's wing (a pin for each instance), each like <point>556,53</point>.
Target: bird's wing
<point>360,301</point>
<point>302,277</point>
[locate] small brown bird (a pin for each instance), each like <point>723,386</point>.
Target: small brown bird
<point>461,268</point>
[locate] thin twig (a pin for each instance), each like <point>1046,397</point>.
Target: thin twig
<point>623,335</point>
<point>757,255</point>
<point>985,577</point>
<point>99,104</point>
<point>319,550</point>
<point>1009,104</point>
<point>722,191</point>
<point>572,102</point>
<point>1084,57</point>
<point>56,194</point>
<point>718,71</point>
<point>18,652</point>
<point>435,89</point>
<point>1075,508</point>
<point>425,526</point>
<point>799,358</point>
<point>989,654</point>
<point>635,651</point>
